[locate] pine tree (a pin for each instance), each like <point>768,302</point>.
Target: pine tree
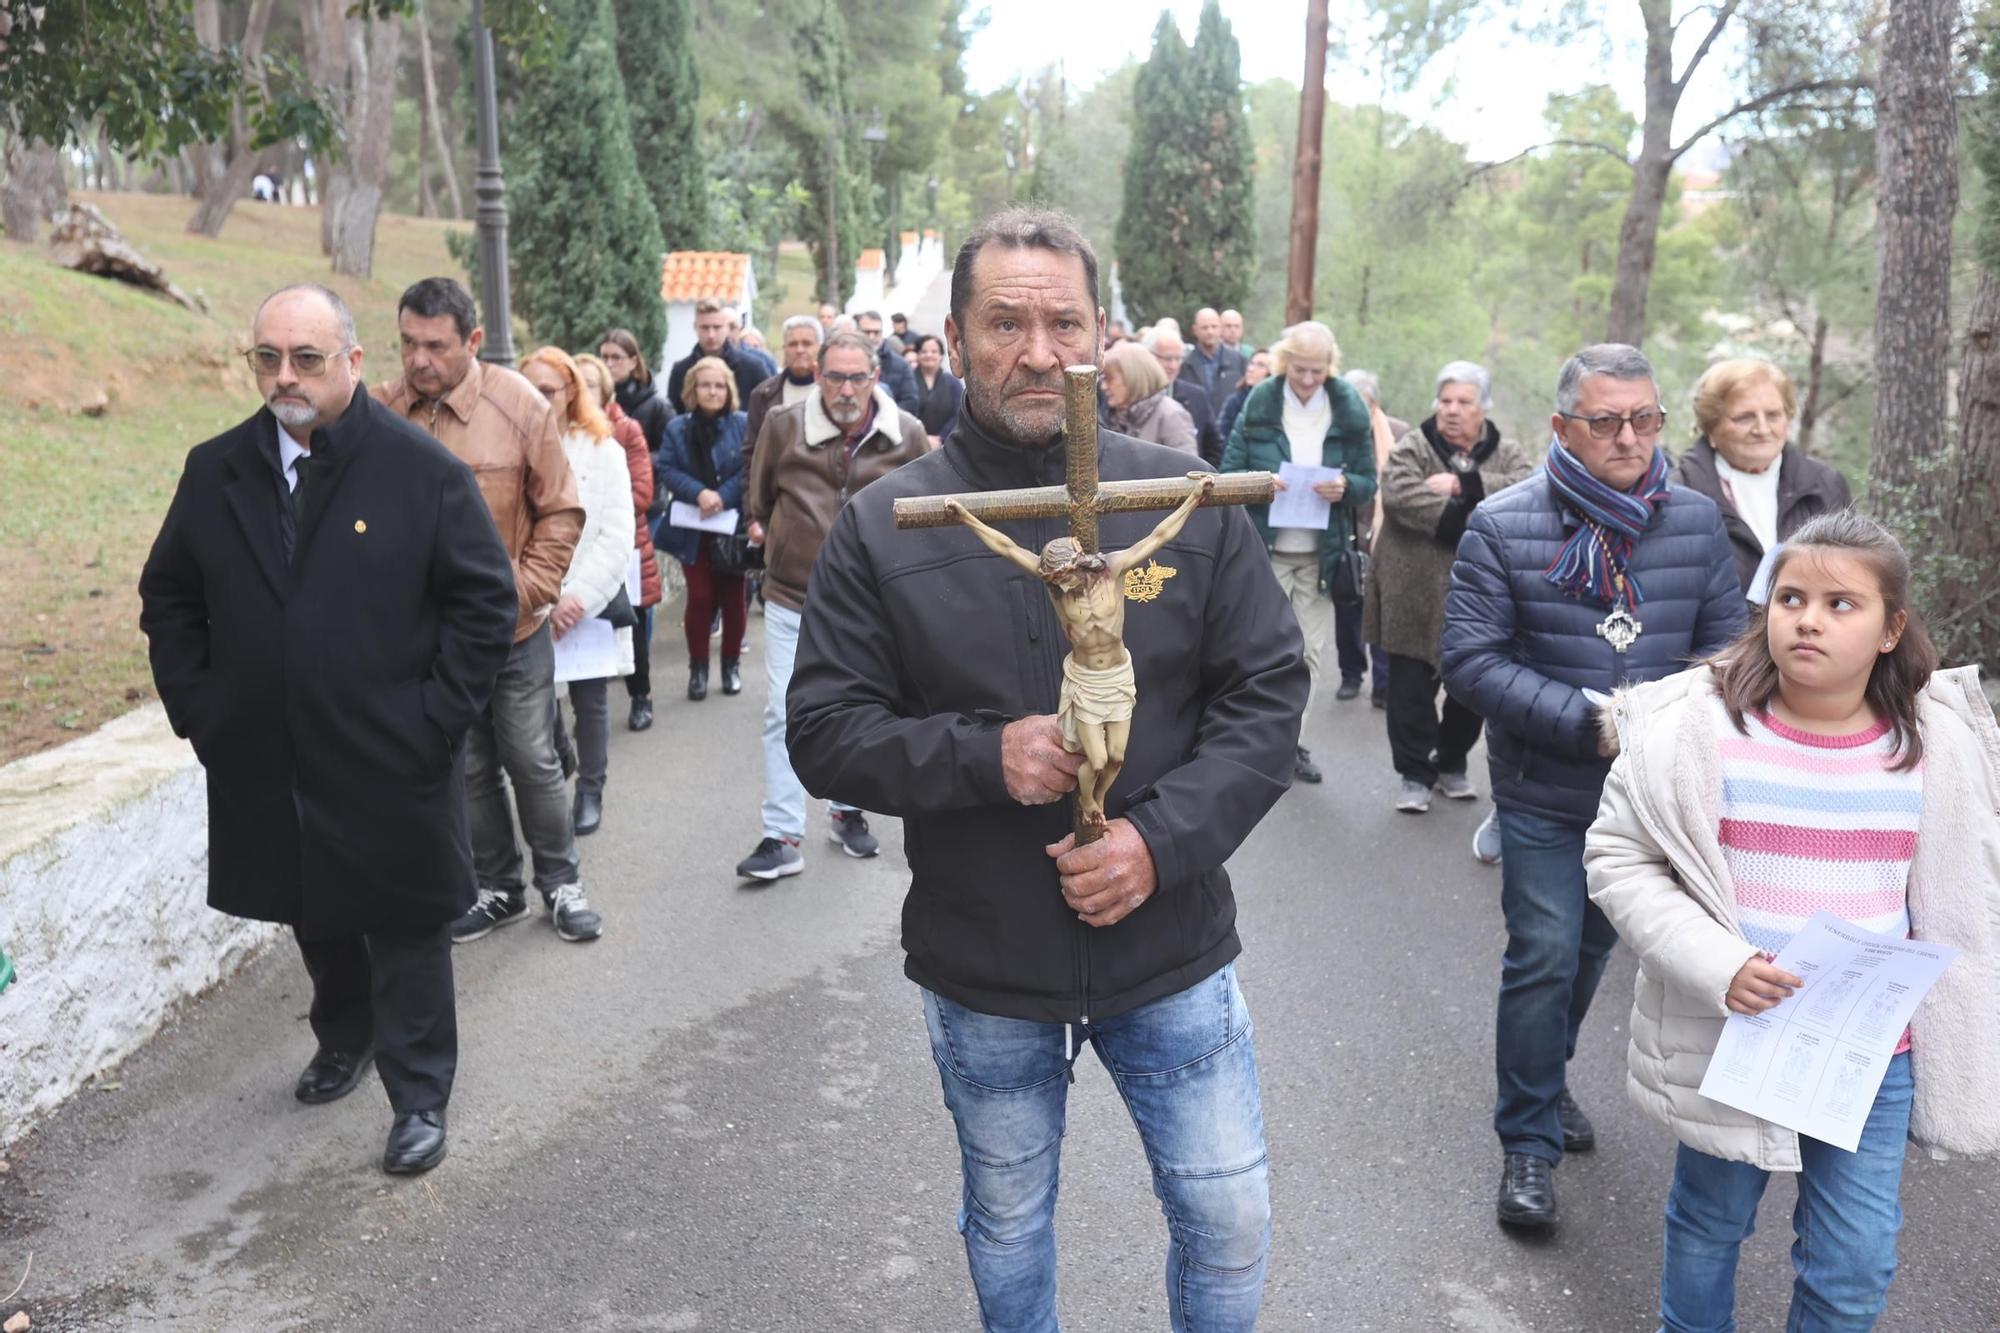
<point>656,59</point>
<point>1187,233</point>
<point>839,192</point>
<point>585,240</point>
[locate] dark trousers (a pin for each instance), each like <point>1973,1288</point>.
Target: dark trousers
<point>1354,654</point>
<point>1423,742</point>
<point>639,685</point>
<point>392,991</point>
<point>709,592</point>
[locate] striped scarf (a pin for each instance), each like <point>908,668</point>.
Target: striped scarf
<point>1594,558</point>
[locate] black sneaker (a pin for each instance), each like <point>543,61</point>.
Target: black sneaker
<point>1304,769</point>
<point>774,859</point>
<point>850,830</point>
<point>1527,1194</point>
<point>493,910</point>
<point>1579,1135</point>
<point>642,714</point>
<point>571,912</point>
<point>1349,689</point>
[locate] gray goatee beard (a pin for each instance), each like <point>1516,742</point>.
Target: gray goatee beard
<point>295,415</point>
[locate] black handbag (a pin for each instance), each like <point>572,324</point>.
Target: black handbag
<point>619,611</point>
<point>1349,584</point>
<point>731,553</point>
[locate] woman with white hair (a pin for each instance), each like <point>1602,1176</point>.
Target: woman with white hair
<point>1435,477</point>
<point>1306,414</point>
<point>1139,400</point>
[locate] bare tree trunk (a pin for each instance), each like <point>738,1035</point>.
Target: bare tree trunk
<point>1815,385</point>
<point>374,47</point>
<point>225,184</point>
<point>442,144</point>
<point>1639,233</point>
<point>1299,277</point>
<point>1916,155</point>
<point>33,189</point>
<point>1970,514</point>
<point>324,24</point>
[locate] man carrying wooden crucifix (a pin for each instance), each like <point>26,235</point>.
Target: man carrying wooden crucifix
<point>1098,691</point>
<point>928,685</point>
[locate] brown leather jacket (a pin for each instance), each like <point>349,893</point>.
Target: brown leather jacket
<point>800,477</point>
<point>497,424</point>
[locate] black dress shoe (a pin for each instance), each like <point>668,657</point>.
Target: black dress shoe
<point>642,714</point>
<point>698,682</point>
<point>416,1143</point>
<point>588,812</point>
<point>732,677</point>
<point>1304,769</point>
<point>1579,1135</point>
<point>1349,689</point>
<point>1527,1193</point>
<point>331,1075</point>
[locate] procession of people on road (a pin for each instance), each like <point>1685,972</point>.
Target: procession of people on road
<point>1710,715</point>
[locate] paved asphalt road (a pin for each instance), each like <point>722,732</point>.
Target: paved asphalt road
<point>723,1116</point>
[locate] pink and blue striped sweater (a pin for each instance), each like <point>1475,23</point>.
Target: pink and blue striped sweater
<point>1816,823</point>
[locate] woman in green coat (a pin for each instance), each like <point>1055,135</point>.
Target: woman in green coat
<point>1306,414</point>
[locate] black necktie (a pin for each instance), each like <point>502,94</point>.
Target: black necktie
<point>302,470</point>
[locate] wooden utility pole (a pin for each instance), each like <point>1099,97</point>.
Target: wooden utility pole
<point>1305,169</point>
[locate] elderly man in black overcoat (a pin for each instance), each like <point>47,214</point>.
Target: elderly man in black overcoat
<point>327,605</point>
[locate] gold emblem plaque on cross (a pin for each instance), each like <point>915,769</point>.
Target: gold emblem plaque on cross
<point>1085,585</point>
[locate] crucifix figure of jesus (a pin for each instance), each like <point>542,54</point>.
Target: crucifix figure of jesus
<point>1085,585</point>
<point>1098,689</point>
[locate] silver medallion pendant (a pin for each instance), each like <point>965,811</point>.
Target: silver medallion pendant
<point>1619,629</point>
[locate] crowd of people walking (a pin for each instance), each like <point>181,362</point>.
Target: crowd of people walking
<point>1609,618</point>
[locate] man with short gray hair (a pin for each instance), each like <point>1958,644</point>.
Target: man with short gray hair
<point>1164,342</point>
<point>327,606</point>
<point>1592,574</point>
<point>799,341</point>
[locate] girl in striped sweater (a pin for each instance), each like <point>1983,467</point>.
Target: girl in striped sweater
<point>1822,762</point>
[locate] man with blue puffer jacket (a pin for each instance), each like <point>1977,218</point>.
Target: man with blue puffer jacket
<point>1591,574</point>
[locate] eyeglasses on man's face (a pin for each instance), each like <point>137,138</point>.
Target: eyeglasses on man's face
<point>854,380</point>
<point>1645,423</point>
<point>309,362</point>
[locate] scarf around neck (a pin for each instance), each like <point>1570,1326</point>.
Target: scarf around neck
<point>1592,562</point>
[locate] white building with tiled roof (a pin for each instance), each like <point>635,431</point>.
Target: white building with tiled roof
<point>690,276</point>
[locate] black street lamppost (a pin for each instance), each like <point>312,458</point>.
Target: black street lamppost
<point>495,299</point>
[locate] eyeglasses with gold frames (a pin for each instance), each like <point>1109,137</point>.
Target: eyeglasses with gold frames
<point>309,362</point>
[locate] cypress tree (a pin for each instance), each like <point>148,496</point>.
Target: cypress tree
<point>837,189</point>
<point>656,60</point>
<point>584,238</point>
<point>1187,232</point>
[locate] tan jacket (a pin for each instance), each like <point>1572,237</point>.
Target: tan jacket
<point>800,477</point>
<point>500,426</point>
<point>1654,863</point>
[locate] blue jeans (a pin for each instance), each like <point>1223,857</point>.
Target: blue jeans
<point>1187,1069</point>
<point>1558,942</point>
<point>1845,1222</point>
<point>784,794</point>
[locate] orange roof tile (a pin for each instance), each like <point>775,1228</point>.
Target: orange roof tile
<point>870,259</point>
<point>694,275</point>
<point>909,239</point>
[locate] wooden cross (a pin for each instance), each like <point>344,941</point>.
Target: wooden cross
<point>1081,500</point>
<point>1082,497</point>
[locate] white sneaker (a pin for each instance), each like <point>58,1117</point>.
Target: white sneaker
<point>1486,840</point>
<point>1413,797</point>
<point>1456,786</point>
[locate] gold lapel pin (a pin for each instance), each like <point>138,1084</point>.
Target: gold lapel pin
<point>359,526</point>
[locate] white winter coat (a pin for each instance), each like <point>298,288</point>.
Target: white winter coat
<point>604,550</point>
<point>1654,863</point>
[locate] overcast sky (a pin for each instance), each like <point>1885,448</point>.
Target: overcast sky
<point>1487,92</point>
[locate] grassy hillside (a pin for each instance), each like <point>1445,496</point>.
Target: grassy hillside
<point>83,494</point>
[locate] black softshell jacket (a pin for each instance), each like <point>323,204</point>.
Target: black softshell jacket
<point>918,646</point>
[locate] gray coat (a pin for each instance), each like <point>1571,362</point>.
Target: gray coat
<point>1412,555</point>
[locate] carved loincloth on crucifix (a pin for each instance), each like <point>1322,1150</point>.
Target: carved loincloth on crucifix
<point>1087,586</point>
